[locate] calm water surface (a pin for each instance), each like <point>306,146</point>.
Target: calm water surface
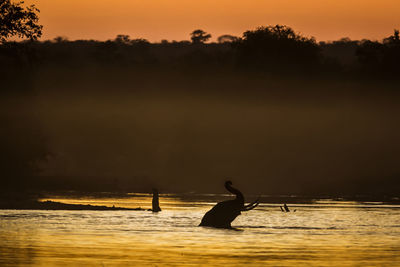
<point>324,233</point>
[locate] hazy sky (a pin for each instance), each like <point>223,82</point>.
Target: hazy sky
<point>175,19</point>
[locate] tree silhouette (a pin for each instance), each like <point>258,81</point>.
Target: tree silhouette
<point>60,39</point>
<point>199,36</point>
<point>122,39</point>
<point>380,58</point>
<point>391,55</point>
<point>396,35</point>
<point>15,20</point>
<point>275,48</point>
<point>394,39</point>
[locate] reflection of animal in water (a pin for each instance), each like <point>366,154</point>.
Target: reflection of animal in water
<point>155,203</point>
<point>223,213</point>
<point>285,208</point>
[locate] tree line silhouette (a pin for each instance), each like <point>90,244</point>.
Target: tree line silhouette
<point>276,50</point>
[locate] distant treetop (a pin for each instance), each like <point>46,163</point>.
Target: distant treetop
<point>199,36</point>
<point>393,39</point>
<point>126,40</point>
<point>277,32</point>
<point>227,38</point>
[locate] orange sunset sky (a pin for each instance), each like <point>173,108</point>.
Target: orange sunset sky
<point>175,19</point>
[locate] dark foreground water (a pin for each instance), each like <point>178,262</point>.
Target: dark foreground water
<point>323,233</point>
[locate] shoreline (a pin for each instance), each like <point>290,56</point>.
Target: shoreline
<point>52,205</point>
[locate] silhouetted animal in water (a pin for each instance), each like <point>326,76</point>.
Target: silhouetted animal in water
<point>286,207</point>
<point>222,214</point>
<point>155,203</point>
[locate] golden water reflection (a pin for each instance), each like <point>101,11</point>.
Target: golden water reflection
<point>315,235</point>
<point>135,201</point>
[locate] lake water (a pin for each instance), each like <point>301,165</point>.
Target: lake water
<point>319,233</point>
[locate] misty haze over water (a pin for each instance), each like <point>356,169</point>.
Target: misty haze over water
<point>269,142</point>
<point>282,116</point>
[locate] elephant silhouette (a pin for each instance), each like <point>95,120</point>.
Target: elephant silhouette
<point>223,213</point>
